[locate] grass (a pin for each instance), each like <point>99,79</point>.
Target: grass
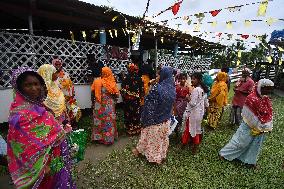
<point>204,170</point>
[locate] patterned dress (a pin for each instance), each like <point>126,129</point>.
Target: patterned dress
<point>104,130</point>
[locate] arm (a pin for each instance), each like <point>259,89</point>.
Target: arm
<point>194,98</point>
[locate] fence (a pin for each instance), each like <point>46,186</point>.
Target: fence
<point>26,50</point>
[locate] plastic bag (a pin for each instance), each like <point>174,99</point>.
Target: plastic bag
<point>77,141</point>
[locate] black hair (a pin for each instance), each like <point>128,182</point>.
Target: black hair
<point>22,78</point>
<point>182,75</point>
<point>225,69</point>
<point>199,77</point>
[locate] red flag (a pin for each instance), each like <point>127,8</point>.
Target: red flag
<point>245,36</point>
<point>219,34</point>
<point>175,8</point>
<point>215,12</point>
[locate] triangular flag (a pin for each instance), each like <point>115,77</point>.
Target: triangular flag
<point>281,49</point>
<point>189,22</point>
<point>219,34</point>
<point>162,39</point>
<point>196,27</point>
<point>230,36</point>
<point>244,36</point>
<point>110,33</point>
<point>185,18</point>
<point>72,36</point>
<point>239,54</point>
<point>200,16</point>
<point>229,25</point>
<point>84,35</point>
<point>269,59</point>
<point>114,18</point>
<point>215,12</point>
<point>262,8</point>
<point>247,23</point>
<point>115,32</point>
<point>270,21</point>
<point>280,62</point>
<point>238,62</point>
<point>94,35</point>
<point>214,24</point>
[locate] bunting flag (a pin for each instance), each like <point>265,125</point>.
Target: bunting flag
<point>185,18</point>
<point>114,18</point>
<point>280,62</point>
<point>262,8</point>
<point>110,33</point>
<point>247,23</point>
<point>270,21</point>
<point>238,62</point>
<point>269,59</point>
<point>72,36</point>
<point>154,31</point>
<point>115,32</point>
<point>229,25</point>
<point>162,39</point>
<point>200,16</point>
<point>230,36</point>
<point>94,35</point>
<point>239,54</point>
<point>84,35</point>
<point>214,24</point>
<point>234,9</point>
<point>219,34</point>
<point>244,36</point>
<point>215,12</point>
<point>189,22</point>
<point>280,49</point>
<point>196,27</point>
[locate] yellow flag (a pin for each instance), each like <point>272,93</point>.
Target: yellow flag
<point>269,59</point>
<point>280,62</point>
<point>214,24</point>
<point>94,34</point>
<point>162,39</point>
<point>239,54</point>
<point>196,27</point>
<point>281,49</point>
<point>270,21</point>
<point>229,25</point>
<point>247,23</point>
<point>114,18</point>
<point>72,36</point>
<point>84,34</point>
<point>262,8</point>
<point>238,62</point>
<point>110,33</point>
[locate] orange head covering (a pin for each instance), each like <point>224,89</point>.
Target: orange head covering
<point>107,81</point>
<point>219,91</point>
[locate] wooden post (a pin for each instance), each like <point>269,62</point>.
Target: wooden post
<point>156,53</point>
<point>31,29</point>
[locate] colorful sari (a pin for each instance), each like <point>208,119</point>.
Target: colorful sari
<point>217,100</point>
<point>257,113</point>
<point>104,129</point>
<point>37,141</point>
<point>66,85</point>
<point>132,93</point>
<point>181,101</point>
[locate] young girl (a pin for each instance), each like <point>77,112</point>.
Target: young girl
<point>181,92</point>
<point>195,111</point>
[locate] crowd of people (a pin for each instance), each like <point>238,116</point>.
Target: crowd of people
<point>45,110</point>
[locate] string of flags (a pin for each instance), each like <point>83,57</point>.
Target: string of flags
<point>200,16</point>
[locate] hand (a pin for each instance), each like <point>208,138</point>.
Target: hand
<point>67,128</point>
<point>47,170</point>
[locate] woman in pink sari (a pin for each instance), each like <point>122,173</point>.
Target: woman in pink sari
<point>38,154</point>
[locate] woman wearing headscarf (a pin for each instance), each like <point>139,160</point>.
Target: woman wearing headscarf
<point>257,113</point>
<point>156,114</point>
<point>132,93</point>
<point>38,154</point>
<point>105,92</point>
<point>217,99</point>
<point>66,85</point>
<point>208,81</point>
<point>55,98</point>
<point>147,74</point>
<point>243,88</point>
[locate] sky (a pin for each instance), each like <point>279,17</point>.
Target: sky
<point>191,7</point>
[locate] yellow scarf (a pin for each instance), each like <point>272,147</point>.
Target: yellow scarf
<point>55,98</point>
<point>219,91</point>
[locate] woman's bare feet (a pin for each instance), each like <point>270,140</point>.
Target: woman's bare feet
<point>135,152</point>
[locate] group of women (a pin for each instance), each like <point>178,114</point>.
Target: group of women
<point>41,115</point>
<point>44,108</point>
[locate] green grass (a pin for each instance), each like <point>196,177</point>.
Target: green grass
<point>204,170</point>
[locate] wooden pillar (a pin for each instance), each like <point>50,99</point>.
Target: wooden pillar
<point>156,53</point>
<point>175,50</point>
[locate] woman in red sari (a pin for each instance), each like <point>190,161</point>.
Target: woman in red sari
<point>38,154</point>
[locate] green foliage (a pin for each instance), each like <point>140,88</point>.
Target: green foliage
<point>204,170</point>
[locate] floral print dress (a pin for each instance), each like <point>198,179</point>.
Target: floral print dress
<point>104,129</point>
